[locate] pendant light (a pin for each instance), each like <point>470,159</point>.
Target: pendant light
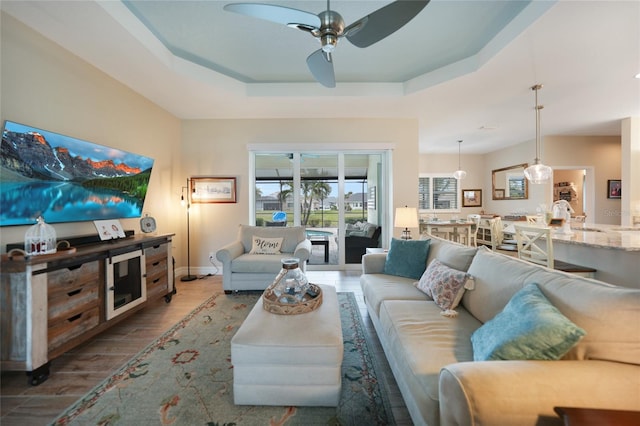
<point>538,172</point>
<point>459,174</point>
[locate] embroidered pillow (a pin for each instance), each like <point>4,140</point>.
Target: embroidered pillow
<point>444,285</point>
<point>407,258</point>
<point>529,327</point>
<point>262,245</point>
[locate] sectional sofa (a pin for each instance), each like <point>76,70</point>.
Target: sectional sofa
<point>431,350</point>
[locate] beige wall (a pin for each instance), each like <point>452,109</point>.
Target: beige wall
<point>448,163</point>
<point>45,86</point>
<point>220,148</point>
<point>599,154</point>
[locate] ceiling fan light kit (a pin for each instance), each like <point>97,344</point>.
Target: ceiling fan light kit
<point>328,27</point>
<point>538,172</point>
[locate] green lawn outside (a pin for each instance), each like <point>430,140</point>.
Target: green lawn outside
<point>317,219</point>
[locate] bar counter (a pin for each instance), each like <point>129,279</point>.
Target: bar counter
<point>611,249</point>
<point>603,236</point>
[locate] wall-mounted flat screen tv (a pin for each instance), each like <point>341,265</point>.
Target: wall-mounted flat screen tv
<point>64,179</point>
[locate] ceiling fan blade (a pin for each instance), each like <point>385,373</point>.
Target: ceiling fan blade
<point>383,22</point>
<point>278,14</point>
<point>321,66</point>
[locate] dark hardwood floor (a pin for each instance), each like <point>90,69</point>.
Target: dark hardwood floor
<point>79,370</point>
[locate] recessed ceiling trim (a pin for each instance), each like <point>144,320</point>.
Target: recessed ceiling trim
<point>521,22</point>
<point>136,27</point>
<point>316,90</point>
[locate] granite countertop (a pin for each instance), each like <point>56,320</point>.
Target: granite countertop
<point>618,237</point>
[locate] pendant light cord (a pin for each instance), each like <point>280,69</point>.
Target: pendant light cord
<point>537,108</point>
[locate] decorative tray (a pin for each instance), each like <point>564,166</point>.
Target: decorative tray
<point>288,305</point>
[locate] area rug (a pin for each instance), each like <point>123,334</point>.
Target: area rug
<point>186,378</point>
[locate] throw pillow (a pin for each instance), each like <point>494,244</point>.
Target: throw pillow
<point>262,245</point>
<point>444,285</point>
<point>407,258</point>
<point>529,327</point>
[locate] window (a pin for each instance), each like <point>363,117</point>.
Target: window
<point>438,193</point>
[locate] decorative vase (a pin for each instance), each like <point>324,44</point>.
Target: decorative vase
<point>291,284</point>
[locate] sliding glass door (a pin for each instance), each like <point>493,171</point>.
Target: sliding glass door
<point>334,195</point>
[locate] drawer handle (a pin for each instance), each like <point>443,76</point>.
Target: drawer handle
<point>156,280</point>
<point>75,317</point>
<point>73,268</point>
<point>74,292</point>
<point>155,264</point>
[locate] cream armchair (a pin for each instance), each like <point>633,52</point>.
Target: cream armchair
<point>243,270</point>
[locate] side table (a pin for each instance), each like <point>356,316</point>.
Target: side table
<point>574,416</point>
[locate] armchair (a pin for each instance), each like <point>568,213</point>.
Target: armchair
<point>356,243</point>
<point>243,270</point>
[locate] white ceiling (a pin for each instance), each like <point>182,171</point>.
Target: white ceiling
<point>462,68</point>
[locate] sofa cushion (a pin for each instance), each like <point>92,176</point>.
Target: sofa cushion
<point>376,288</point>
<point>609,314</point>
<point>529,327</point>
<point>257,263</point>
<point>262,245</point>
<point>407,258</point>
<point>451,254</point>
<point>422,341</point>
<point>443,284</point>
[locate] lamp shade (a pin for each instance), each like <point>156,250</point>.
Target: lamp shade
<point>406,217</point>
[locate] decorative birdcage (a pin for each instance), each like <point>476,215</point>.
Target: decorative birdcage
<point>40,238</point>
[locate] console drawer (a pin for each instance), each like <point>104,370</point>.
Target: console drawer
<point>155,253</point>
<point>67,279</point>
<point>157,286</point>
<point>76,323</point>
<point>73,290</point>
<point>76,299</point>
<point>158,267</point>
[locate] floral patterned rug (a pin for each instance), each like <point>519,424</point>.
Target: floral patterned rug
<point>186,378</point>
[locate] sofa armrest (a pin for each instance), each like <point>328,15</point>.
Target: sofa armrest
<point>525,392</point>
<point>303,251</point>
<point>373,263</point>
<point>229,252</point>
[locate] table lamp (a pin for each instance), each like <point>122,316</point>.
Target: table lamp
<point>406,217</point>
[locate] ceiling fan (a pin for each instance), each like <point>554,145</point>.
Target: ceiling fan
<point>328,27</point>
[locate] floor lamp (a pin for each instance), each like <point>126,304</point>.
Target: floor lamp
<point>187,203</point>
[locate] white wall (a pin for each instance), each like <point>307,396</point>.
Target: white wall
<point>45,86</point>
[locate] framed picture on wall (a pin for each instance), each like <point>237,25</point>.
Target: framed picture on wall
<point>614,188</point>
<point>472,198</point>
<point>213,190</point>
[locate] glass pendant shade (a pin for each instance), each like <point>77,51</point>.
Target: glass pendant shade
<point>459,174</point>
<point>538,172</point>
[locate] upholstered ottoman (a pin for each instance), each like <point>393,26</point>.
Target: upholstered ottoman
<point>289,359</point>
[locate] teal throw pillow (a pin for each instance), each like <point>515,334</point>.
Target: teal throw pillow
<point>407,258</point>
<point>529,327</point>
